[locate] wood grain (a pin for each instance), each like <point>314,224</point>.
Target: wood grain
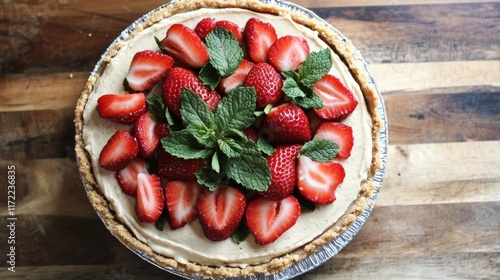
<point>436,62</point>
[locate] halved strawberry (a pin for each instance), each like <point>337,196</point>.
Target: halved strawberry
<point>221,211</point>
<point>268,220</point>
<point>286,123</point>
<point>267,83</point>
<point>204,27</point>
<point>150,200</point>
<point>127,177</point>
<point>184,45</point>
<point>119,151</point>
<point>181,200</point>
<point>259,36</point>
<point>147,139</point>
<point>146,69</point>
<point>174,168</point>
<point>236,79</point>
<point>282,163</point>
<point>338,100</point>
<point>288,53</point>
<point>179,78</point>
<point>317,181</point>
<point>124,108</point>
<point>339,133</point>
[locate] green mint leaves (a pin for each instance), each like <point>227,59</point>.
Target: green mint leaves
<point>217,137</point>
<point>159,111</point>
<point>320,150</point>
<point>298,84</point>
<point>225,56</point>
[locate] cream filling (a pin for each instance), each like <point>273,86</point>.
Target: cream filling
<point>189,243</point>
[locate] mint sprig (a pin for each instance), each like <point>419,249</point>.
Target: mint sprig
<point>298,84</point>
<point>159,112</point>
<point>225,56</point>
<point>319,150</point>
<point>217,138</point>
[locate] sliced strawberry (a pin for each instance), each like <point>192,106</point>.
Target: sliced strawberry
<point>146,69</point>
<point>124,109</point>
<point>150,200</point>
<point>286,123</point>
<point>204,27</point>
<point>338,100</point>
<point>179,78</point>
<point>288,53</point>
<point>282,164</point>
<point>258,36</point>
<point>181,200</point>
<point>236,79</point>
<point>233,27</point>
<point>147,139</point>
<point>221,211</point>
<point>184,45</point>
<point>127,177</point>
<point>119,151</point>
<point>174,168</point>
<point>268,220</point>
<point>339,133</point>
<point>317,182</point>
<point>267,83</point>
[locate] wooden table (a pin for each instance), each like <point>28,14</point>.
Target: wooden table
<point>437,63</point>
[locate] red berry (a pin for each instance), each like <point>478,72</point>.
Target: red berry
<point>338,133</point>
<point>124,109</point>
<point>286,123</point>
<point>288,53</point>
<point>174,168</point>
<point>147,139</point>
<point>150,200</point>
<point>181,200</point>
<point>127,177</point>
<point>267,83</point>
<point>282,164</point>
<point>237,78</point>
<point>119,151</point>
<point>338,100</point>
<point>146,69</point>
<point>268,220</point>
<point>204,27</point>
<point>259,36</point>
<point>184,45</point>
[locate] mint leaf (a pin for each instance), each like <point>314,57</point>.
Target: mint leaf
<point>194,110</point>
<point>292,89</point>
<point>209,76</point>
<point>316,65</point>
<point>320,150</point>
<point>250,169</point>
<point>203,135</point>
<point>235,111</point>
<point>241,233</point>
<point>229,147</point>
<point>206,176</point>
<point>215,164</point>
<point>224,50</point>
<point>312,101</point>
<point>265,147</point>
<point>156,107</point>
<point>183,145</point>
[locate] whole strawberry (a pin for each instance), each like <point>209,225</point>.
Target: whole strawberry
<point>286,123</point>
<point>282,164</point>
<point>174,168</point>
<point>179,78</point>
<point>267,83</point>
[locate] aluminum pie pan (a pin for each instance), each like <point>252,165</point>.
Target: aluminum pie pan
<point>329,250</point>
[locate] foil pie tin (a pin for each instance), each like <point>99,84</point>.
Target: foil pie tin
<point>331,249</point>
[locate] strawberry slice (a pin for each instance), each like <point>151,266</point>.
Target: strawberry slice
<point>181,200</point>
<point>147,139</point>
<point>286,123</point>
<point>288,53</point>
<point>146,69</point>
<point>150,200</point>
<point>268,220</point>
<point>204,27</point>
<point>258,36</point>
<point>174,168</point>
<point>179,78</point>
<point>316,181</point>
<point>339,133</point>
<point>184,45</point>
<point>221,211</point>
<point>124,109</point>
<point>338,100</point>
<point>119,151</point>
<point>282,164</point>
<point>127,177</point>
<point>267,83</point>
<point>237,78</point>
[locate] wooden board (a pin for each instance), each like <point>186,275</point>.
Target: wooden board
<point>437,64</point>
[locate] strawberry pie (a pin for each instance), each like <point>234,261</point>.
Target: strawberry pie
<point>228,138</point>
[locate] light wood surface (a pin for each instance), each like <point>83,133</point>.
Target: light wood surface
<point>437,63</point>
